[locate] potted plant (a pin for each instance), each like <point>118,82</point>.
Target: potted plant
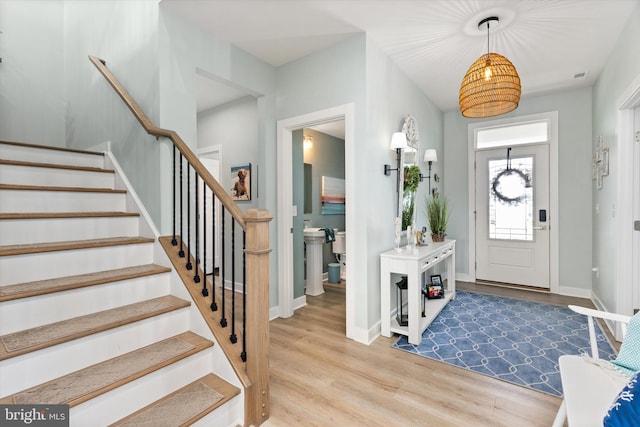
<point>437,213</point>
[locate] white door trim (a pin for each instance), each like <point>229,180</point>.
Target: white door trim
<point>625,163</point>
<point>284,131</point>
<point>552,117</point>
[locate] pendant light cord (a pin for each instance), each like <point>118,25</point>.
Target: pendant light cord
<point>488,24</point>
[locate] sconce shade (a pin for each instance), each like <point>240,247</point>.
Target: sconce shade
<point>307,142</point>
<point>398,140</point>
<point>430,155</point>
<point>491,87</point>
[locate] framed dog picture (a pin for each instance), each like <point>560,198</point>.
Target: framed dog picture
<point>241,182</point>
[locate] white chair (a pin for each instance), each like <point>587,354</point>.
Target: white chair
<point>589,388</point>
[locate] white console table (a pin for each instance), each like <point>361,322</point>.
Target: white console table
<point>413,262</point>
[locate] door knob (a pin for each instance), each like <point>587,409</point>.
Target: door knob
<point>540,227</point>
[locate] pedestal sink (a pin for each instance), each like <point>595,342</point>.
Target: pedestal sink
<point>314,238</point>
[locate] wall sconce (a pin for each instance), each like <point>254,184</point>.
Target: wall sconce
<point>308,142</point>
<point>398,143</point>
<point>430,156</point>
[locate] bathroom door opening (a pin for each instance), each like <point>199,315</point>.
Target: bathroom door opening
<point>287,210</point>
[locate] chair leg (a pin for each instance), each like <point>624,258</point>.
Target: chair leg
<point>561,416</point>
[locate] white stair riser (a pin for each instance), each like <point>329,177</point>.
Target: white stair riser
<point>49,265</point>
<point>127,399</point>
<point>22,372</point>
<point>25,175</point>
<point>60,201</point>
<point>42,230</point>
<point>57,157</point>
<point>229,415</point>
<point>50,308</point>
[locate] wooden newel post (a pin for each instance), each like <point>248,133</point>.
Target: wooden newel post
<point>257,328</point>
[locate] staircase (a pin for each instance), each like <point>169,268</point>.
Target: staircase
<point>91,313</point>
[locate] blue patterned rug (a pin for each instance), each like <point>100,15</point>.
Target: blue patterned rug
<point>512,340</point>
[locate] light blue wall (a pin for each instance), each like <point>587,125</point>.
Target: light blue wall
<point>622,67</point>
<point>185,49</point>
<point>233,126</point>
<point>391,96</point>
<point>32,104</point>
<point>357,71</point>
<point>330,78</point>
<point>125,35</point>
<point>574,176</point>
<point>219,126</point>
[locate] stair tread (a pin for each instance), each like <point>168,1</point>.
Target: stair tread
<point>71,245</point>
<point>55,166</point>
<point>42,287</point>
<point>56,188</point>
<point>184,406</point>
<point>23,342</point>
<point>48,147</point>
<point>80,386</point>
<point>52,215</point>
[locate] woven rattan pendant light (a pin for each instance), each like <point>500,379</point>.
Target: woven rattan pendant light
<point>491,86</point>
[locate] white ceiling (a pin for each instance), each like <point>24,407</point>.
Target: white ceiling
<point>433,41</point>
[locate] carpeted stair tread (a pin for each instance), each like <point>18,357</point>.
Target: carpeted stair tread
<point>42,287</point>
<point>184,406</point>
<point>71,245</point>
<point>56,188</point>
<point>57,215</point>
<point>53,148</point>
<point>55,166</point>
<point>26,341</point>
<point>80,386</point>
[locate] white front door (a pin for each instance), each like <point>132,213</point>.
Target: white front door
<point>512,215</point>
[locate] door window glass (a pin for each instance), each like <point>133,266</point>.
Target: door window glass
<point>524,133</point>
<point>511,199</point>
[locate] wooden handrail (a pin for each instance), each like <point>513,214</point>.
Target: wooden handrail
<point>151,129</point>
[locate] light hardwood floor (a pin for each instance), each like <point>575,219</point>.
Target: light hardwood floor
<point>321,378</point>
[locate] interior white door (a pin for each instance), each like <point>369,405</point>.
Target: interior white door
<point>512,215</point>
<point>213,166</point>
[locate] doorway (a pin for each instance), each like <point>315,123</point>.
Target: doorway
<point>286,210</point>
<point>514,259</point>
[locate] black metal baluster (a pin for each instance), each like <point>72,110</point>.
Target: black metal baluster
<point>174,242</point>
<point>223,320</point>
<point>214,304</point>
<point>189,265</point>
<point>181,251</point>
<point>243,354</point>
<point>196,277</point>
<point>205,291</point>
<point>233,338</point>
